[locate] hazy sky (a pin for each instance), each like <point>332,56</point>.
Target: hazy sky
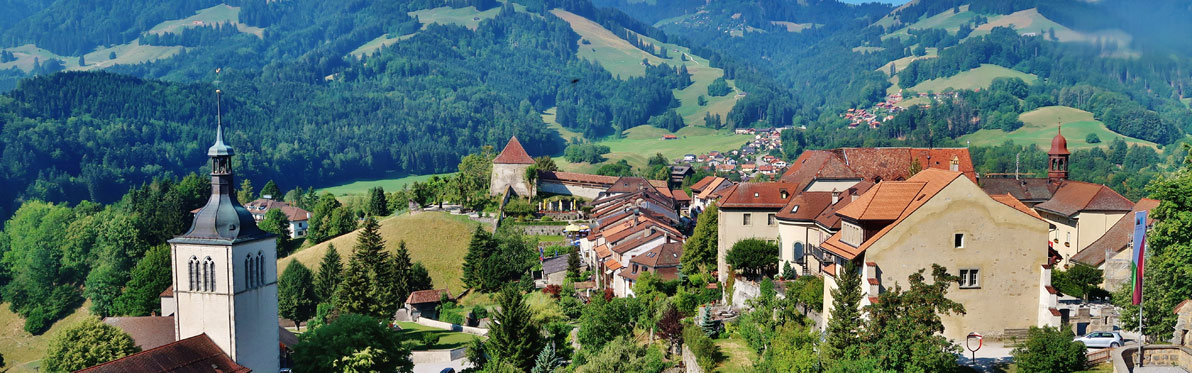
<point>895,2</point>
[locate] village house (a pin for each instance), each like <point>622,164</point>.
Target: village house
<point>748,210</point>
<point>425,303</point>
<point>1111,253</point>
<point>707,191</point>
<point>995,245</point>
<point>806,222</point>
<point>662,261</point>
<point>1079,212</point>
<point>297,216</point>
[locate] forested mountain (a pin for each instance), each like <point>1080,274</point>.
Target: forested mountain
<point>303,112</point>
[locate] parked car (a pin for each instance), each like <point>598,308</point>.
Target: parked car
<point>1101,339</point>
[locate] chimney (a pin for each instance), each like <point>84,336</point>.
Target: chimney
<point>835,196</point>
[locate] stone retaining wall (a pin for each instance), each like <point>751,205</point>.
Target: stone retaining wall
<point>452,327</point>
<point>438,356</point>
<point>689,361</point>
<point>1125,359</point>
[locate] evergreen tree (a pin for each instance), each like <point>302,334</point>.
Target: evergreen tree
<point>377,204</point>
<point>573,264</point>
<point>245,194</point>
<point>82,61</point>
<point>401,268</point>
<point>844,328</point>
<point>352,294</point>
<point>276,222</point>
<point>479,249</point>
<point>699,253</point>
<point>419,279</point>
<point>514,337</point>
<point>271,190</point>
<point>328,278</point>
<point>547,360</point>
<point>296,293</point>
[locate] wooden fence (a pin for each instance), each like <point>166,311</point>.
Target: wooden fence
<point>1100,356</point>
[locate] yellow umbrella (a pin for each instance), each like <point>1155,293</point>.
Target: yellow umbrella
<point>571,228</point>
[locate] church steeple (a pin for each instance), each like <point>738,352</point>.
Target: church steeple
<point>223,218</point>
<point>1057,158</point>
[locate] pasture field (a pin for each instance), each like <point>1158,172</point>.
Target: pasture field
<point>214,15</point>
<point>468,17</point>
<point>624,60</point>
<point>1030,21</point>
<point>436,239</point>
<point>23,351</point>
<point>1039,127</point>
<point>390,185</point>
<point>378,43</point>
<point>642,145</point>
<point>978,78</point>
<point>947,20</point>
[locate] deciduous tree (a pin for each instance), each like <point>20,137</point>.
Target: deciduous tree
<point>699,253</point>
<point>343,341</point>
<point>296,299</point>
<point>87,343</point>
<point>1050,349</point>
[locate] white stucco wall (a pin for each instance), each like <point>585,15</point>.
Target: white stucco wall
<point>553,187</point>
<point>241,321</point>
<point>731,228</point>
<point>827,185</point>
<point>510,174</point>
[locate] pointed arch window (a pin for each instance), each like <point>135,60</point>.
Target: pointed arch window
<point>248,279</point>
<point>208,274</point>
<point>193,269</point>
<point>260,268</point>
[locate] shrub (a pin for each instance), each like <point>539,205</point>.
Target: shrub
<point>707,354</point>
<point>1050,349</point>
<point>1092,138</point>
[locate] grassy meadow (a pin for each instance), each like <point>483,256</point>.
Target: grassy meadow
<point>643,142</point>
<point>23,351</point>
<point>436,239</point>
<point>390,185</point>
<point>447,339</point>
<point>978,78</point>
<point>1039,127</point>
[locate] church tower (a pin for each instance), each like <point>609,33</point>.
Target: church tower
<point>225,273</point>
<point>1057,159</point>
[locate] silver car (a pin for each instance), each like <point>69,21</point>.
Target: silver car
<point>1101,339</point>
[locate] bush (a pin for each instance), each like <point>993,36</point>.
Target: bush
<point>707,354</point>
<point>1092,138</point>
<point>429,340</point>
<point>1050,349</point>
<point>754,257</point>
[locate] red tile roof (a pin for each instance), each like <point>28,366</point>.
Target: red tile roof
<point>148,332</point>
<point>612,265</point>
<point>702,183</point>
<point>680,196</point>
<point>513,153</point>
<point>427,296</point>
<point>576,177</point>
<point>806,206</point>
<point>1117,238</point>
<point>665,255</point>
<point>772,195</point>
<point>261,206</point>
<point>1073,197</point>
<point>194,354</point>
<point>874,164</point>
<point>1009,200</point>
<point>168,293</point>
<point>912,194</point>
<point>717,186</point>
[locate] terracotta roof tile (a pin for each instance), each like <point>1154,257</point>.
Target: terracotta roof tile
<point>636,241</point>
<point>577,177</point>
<point>167,293</point>
<point>926,184</point>
<point>806,206</point>
<point>1023,189</point>
<point>261,206</point>
<point>772,195</point>
<point>427,296</point>
<point>874,164</point>
<point>1072,197</point>
<point>1009,200</point>
<point>194,354</point>
<point>513,153</point>
<point>602,251</point>
<point>680,196</point>
<point>612,265</point>
<point>665,255</point>
<point>148,332</point>
<point>1117,238</point>
<point>718,186</point>
<point>702,183</point>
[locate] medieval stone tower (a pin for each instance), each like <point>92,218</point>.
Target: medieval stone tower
<point>225,273</point>
<point>509,170</point>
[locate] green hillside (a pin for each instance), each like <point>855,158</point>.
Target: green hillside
<point>1039,127</point>
<point>978,78</point>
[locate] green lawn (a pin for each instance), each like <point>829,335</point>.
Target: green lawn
<point>946,20</point>
<point>390,185</point>
<point>447,339</point>
<point>1039,127</point>
<point>976,78</point>
<point>738,356</point>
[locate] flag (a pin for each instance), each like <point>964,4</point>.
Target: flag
<point>1136,262</point>
<point>541,255</point>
